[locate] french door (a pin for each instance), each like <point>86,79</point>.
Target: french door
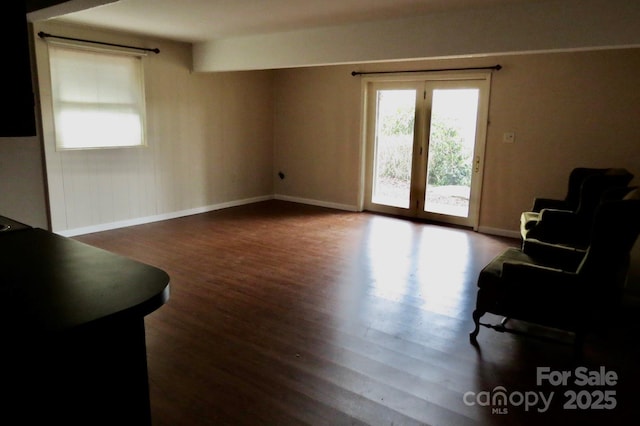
<point>425,147</point>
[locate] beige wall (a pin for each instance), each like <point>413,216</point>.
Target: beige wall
<point>221,137</point>
<point>566,109</point>
<point>209,143</point>
<point>317,135</point>
<point>22,187</point>
<point>22,179</point>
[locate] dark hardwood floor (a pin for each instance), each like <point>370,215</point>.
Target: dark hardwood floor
<point>285,314</point>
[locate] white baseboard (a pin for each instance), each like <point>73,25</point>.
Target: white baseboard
<point>499,232</point>
<point>213,207</point>
<point>157,218</point>
<point>318,203</point>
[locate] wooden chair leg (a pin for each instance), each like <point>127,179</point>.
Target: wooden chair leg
<point>476,320</point>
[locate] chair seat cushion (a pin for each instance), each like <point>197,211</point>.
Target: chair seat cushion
<point>490,276</point>
<point>542,298</point>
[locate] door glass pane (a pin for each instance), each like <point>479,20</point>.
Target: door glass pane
<point>395,117</point>
<point>451,141</point>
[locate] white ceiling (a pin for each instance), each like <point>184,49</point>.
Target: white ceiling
<point>202,20</point>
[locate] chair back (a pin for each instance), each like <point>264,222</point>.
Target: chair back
<point>576,178</point>
<point>616,226</point>
<point>594,187</point>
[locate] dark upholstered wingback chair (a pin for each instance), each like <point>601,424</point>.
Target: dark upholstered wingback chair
<point>561,287</point>
<point>572,199</point>
<point>572,226</point>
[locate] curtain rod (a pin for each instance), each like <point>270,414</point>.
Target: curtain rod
<point>43,35</point>
<point>494,67</point>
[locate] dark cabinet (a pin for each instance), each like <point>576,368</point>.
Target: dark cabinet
<point>18,113</point>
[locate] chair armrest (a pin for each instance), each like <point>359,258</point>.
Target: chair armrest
<point>543,287</point>
<point>557,217</point>
<point>541,278</point>
<point>554,226</point>
<point>554,255</point>
<point>548,203</point>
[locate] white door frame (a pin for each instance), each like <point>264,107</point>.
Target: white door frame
<point>484,78</point>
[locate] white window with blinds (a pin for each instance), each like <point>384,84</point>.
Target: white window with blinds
<point>98,98</point>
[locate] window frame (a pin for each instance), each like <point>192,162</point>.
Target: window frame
<point>137,86</point>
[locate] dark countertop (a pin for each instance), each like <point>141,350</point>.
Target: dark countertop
<point>73,314</point>
<point>50,283</point>
<point>8,225</point>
